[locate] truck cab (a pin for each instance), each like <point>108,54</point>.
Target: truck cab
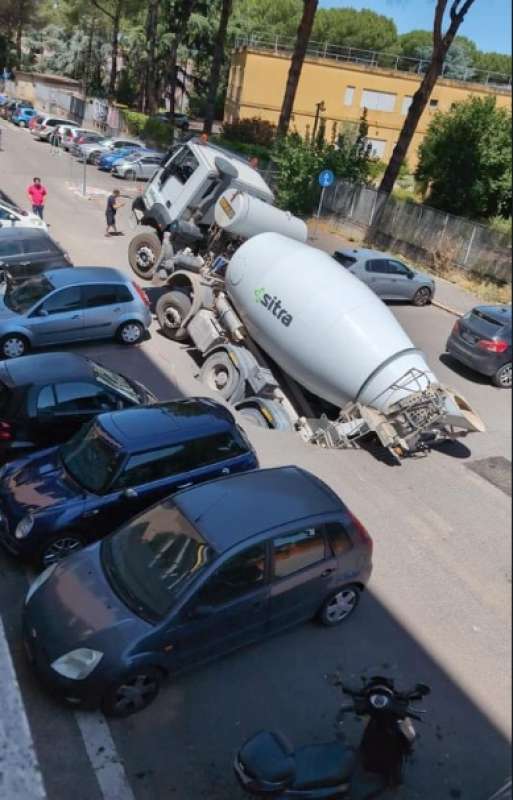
<point>185,188</point>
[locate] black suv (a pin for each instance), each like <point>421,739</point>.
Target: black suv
<point>25,252</point>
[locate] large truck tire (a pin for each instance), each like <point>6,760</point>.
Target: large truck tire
<point>143,253</point>
<point>265,413</point>
<point>171,310</point>
<point>221,374</point>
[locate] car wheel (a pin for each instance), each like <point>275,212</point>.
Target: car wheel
<point>130,175</point>
<point>422,296</point>
<point>171,310</point>
<point>22,124</point>
<point>339,606</point>
<point>130,694</point>
<point>130,332</point>
<point>13,346</point>
<point>502,377</point>
<point>143,253</point>
<point>59,547</point>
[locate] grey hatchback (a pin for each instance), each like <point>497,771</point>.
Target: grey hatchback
<point>389,278</point>
<point>71,305</point>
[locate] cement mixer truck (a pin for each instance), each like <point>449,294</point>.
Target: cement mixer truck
<point>291,338</point>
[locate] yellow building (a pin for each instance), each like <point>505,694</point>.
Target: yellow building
<point>258,76</point>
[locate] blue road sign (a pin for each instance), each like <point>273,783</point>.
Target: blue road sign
<point>326,178</point>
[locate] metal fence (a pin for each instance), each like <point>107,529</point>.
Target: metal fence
<point>418,231</point>
<point>372,58</point>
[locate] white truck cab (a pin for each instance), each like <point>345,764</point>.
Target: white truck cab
<point>184,189</point>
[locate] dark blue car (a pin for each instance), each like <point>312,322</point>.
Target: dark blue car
<point>56,501</point>
<point>209,570</point>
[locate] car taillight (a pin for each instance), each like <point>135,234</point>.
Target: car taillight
<point>361,532</point>
<point>5,431</point>
<point>456,328</point>
<point>493,345</point>
<point>142,294</point>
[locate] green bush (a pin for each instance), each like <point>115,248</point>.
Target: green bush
<point>151,130</point>
<point>135,122</point>
<point>251,131</point>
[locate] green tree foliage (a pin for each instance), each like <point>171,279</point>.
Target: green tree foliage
<point>493,62</point>
<point>465,160</point>
<point>299,161</point>
<point>360,29</point>
<point>252,131</point>
<point>266,18</point>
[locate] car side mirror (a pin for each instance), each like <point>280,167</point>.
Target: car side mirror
<point>410,274</point>
<point>130,493</point>
<point>42,312</point>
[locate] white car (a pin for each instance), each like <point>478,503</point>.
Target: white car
<point>12,216</point>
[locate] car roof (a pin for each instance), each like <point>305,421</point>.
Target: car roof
<point>142,428</point>
<point>45,368</point>
<point>68,276</point>
<point>25,233</point>
<point>362,252</point>
<point>230,510</point>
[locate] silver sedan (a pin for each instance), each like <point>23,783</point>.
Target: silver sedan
<point>137,166</point>
<point>388,277</point>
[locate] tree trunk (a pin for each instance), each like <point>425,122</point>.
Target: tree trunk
<point>180,33</point>
<point>217,62</point>
<point>116,19</point>
<point>150,98</point>
<point>303,35</point>
<point>441,44</point>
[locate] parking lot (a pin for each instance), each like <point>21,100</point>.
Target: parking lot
<point>437,609</point>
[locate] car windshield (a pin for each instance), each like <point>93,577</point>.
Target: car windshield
<point>117,382</point>
<point>153,558</point>
<point>23,296</point>
<point>91,458</point>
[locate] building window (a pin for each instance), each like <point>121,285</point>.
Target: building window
<point>433,103</point>
<point>349,96</point>
<point>378,101</point>
<point>377,147</point>
<point>406,105</point>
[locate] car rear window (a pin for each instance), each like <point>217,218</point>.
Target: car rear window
<point>492,320</point>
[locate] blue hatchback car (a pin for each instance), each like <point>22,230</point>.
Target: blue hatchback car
<point>55,501</point>
<point>107,161</point>
<point>207,571</point>
<point>23,116</point>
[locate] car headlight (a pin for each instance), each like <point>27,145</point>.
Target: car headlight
<point>77,664</point>
<point>24,527</point>
<point>38,582</point>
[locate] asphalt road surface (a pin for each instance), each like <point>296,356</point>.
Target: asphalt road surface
<point>437,608</point>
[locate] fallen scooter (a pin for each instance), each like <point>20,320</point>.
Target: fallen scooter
<point>267,764</point>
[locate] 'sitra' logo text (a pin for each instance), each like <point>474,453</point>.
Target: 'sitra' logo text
<point>273,304</point>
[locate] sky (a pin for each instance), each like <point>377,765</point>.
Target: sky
<point>488,22</point>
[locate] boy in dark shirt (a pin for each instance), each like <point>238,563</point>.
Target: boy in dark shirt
<point>113,203</point>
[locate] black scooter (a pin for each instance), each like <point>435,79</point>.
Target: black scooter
<point>268,766</point>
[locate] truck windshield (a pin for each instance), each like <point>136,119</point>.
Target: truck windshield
<point>182,166</point>
<point>153,557</point>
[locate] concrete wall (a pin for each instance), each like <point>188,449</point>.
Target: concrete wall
<point>257,85</point>
<point>49,93</point>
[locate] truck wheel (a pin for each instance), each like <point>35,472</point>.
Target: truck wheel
<point>265,413</point>
<point>221,375</point>
<point>171,310</point>
<point>143,252</point>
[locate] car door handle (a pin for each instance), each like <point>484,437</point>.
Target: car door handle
<point>91,513</point>
<point>75,316</point>
<point>327,572</point>
<point>185,485</point>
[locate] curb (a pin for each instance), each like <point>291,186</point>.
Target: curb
<point>449,309</point>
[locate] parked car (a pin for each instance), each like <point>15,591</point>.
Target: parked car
<point>13,216</point>
<point>22,116</point>
<point>83,139</point>
<point>46,398</point>
<point>482,341</point>
<point>212,569</point>
<point>89,150</point>
<point>25,252</point>
<point>140,165</point>
<point>113,468</point>
<point>35,121</point>
<point>72,305</point>
<point>12,106</point>
<point>47,127</point>
<point>388,277</point>
<point>181,120</point>
<point>76,134</point>
<point>105,161</point>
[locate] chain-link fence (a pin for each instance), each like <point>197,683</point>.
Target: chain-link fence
<point>419,232</point>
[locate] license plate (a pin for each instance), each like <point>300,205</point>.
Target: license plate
<point>468,337</point>
<point>227,208</point>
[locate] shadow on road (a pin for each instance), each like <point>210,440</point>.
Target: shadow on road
<point>463,371</point>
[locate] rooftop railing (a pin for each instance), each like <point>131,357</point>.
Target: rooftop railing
<point>376,59</point>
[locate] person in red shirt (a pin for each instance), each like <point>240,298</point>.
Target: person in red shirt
<point>37,193</point>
